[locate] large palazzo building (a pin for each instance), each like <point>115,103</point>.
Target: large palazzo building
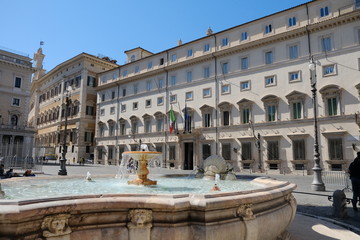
<point>244,93</point>
<point>74,79</point>
<point>16,137</point>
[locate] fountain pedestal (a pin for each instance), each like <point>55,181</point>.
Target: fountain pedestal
<point>142,172</point>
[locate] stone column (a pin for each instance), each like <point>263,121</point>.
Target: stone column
<point>140,224</point>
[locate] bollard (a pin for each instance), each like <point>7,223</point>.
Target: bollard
<point>339,204</point>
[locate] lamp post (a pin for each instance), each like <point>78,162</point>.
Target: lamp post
<point>317,184</point>
<point>259,151</point>
<point>62,170</point>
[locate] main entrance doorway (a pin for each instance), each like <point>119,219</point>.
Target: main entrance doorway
<point>188,156</point>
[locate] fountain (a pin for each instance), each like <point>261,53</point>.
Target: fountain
<point>156,212</point>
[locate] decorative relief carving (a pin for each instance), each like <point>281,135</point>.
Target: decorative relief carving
<point>245,212</point>
<point>289,198</point>
<point>56,225</point>
<point>140,218</point>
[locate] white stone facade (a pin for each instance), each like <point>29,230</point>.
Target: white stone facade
<point>247,93</point>
<point>16,136</point>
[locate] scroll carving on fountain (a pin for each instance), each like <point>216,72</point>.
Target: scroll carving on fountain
<point>56,225</point>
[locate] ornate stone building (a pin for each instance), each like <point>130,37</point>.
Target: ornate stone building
<point>16,137</point>
<point>75,79</point>
<point>243,93</point>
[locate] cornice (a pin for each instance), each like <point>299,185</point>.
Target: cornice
<point>17,65</point>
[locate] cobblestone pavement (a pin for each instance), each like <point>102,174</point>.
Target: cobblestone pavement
<point>311,203</point>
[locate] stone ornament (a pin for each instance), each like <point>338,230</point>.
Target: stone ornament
<point>140,218</point>
<point>245,212</point>
<point>56,225</point>
<point>289,198</point>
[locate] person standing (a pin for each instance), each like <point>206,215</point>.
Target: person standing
<point>354,170</point>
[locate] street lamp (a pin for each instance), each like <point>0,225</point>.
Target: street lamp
<point>317,184</point>
<point>62,170</point>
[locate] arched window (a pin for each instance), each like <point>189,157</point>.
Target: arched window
<point>14,120</point>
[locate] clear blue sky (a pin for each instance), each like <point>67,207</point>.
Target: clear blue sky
<point>109,27</point>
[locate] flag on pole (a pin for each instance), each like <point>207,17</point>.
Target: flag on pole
<point>172,120</point>
<point>185,119</point>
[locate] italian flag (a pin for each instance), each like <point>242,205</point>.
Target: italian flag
<point>172,120</point>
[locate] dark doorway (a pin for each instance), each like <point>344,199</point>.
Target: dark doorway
<point>188,156</point>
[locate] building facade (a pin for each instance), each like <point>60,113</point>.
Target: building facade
<point>74,80</point>
<point>16,137</point>
<point>244,93</point>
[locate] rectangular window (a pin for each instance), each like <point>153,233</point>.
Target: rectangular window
<point>172,152</point>
<point>189,52</point>
<point>112,110</point>
<point>102,112</point>
<point>137,69</point>
<point>324,11</point>
<point>224,42</point>
<point>125,72</point>
<point>207,47</point>
<point>226,118</point>
<point>159,125</point>
<point>225,89</point>
<point>110,154</point>
<point>246,151</point>
<point>206,72</point>
<point>332,106</point>
<point>148,86</point>
<point>244,86</point>
<point>189,96</point>
<point>206,92</point>
<point>271,113</point>
<point>124,92</point>
<point>244,36</point>
<point>16,102</point>
<point>136,88</point>
<point>293,52</point>
<point>161,61</point>
<point>297,110</point>
<point>112,94</point>
<point>207,120</point>
<point>269,57</point>
<point>122,129</point>
<point>326,44</point>
<point>244,63</point>
<point>189,77</point>
<point>123,108</point>
<point>160,100</point>
<point>173,98</point>
<point>268,28</point>
<point>329,70</point>
<point>273,150</point>
<point>173,58</point>
<point>150,65</point>
<point>89,110</point>
<point>161,83</point>
<point>18,82</point>
<point>294,76</point>
<point>245,115</point>
<point>147,126</point>
<point>111,130</point>
<point>299,149</point>
<point>135,105</point>
<point>206,151</point>
<point>91,81</point>
<point>335,149</point>
<point>225,68</point>
<point>148,103</point>
<point>270,81</point>
<point>103,97</point>
<point>226,151</point>
<point>173,80</point>
<point>292,21</point>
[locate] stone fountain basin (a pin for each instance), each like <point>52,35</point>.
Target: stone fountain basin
<point>262,214</point>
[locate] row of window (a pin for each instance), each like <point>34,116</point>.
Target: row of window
<point>245,36</point>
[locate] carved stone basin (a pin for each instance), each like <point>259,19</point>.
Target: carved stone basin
<point>259,214</point>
